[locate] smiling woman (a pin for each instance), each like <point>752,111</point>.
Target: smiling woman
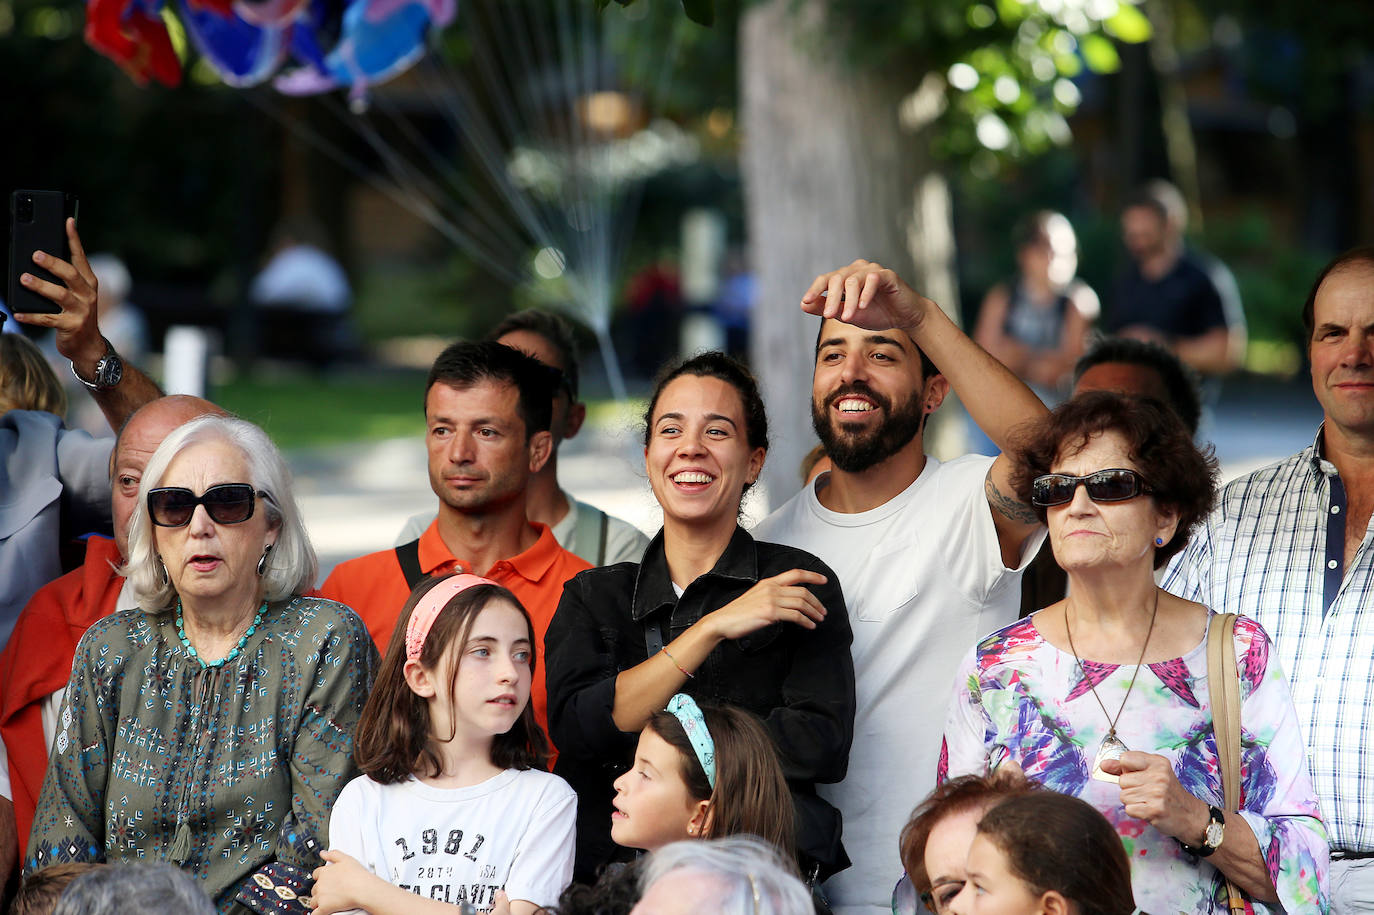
<point>709,612</point>
<point>226,699</point>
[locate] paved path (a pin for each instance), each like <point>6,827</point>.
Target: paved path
<point>357,499</point>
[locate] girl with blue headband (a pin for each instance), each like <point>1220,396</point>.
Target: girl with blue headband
<point>702,772</point>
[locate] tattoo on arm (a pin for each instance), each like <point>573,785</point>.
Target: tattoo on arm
<point>1008,507</point>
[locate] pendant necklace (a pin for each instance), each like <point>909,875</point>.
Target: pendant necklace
<point>1111,746</point>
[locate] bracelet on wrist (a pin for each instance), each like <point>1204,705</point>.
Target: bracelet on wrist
<point>685,672</point>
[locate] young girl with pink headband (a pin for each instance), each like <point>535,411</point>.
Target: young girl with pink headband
<point>454,805</point>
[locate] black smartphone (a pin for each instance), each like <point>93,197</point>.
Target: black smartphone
<point>38,222</point>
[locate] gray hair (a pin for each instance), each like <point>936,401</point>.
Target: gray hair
<point>746,876</point>
<point>291,566</point>
<point>132,889</point>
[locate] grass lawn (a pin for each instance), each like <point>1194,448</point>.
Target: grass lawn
<point>303,410</point>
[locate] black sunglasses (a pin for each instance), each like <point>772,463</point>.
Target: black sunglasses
<point>227,503</point>
<point>1116,484</point>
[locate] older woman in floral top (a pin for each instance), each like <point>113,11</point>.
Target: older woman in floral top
<point>1104,694</point>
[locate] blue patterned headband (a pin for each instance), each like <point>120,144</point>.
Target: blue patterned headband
<point>685,710</point>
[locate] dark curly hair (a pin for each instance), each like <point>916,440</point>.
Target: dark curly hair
<point>1184,478</point>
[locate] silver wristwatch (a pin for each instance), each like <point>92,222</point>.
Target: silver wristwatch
<point>108,371</point>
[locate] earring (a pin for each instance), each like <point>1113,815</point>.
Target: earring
<point>691,830</point>
<point>162,567</point>
<point>1159,541</point>
<point>262,563</point>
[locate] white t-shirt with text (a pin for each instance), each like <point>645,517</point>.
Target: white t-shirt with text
<point>513,831</point>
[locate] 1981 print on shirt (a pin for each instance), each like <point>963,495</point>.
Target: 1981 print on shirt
<point>513,831</point>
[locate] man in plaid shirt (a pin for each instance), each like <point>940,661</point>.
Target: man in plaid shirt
<point>1290,546</point>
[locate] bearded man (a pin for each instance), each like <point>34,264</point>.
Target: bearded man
<point>929,553</point>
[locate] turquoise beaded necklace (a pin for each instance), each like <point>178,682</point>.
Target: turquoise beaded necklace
<point>243,639</point>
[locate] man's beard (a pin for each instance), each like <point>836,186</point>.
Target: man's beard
<point>857,450</point>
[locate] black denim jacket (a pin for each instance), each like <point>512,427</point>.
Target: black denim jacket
<point>799,681</point>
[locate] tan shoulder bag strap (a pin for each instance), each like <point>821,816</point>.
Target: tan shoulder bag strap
<point>1223,684</point>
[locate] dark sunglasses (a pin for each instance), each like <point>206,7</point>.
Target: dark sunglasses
<point>227,503</point>
<point>1116,484</point>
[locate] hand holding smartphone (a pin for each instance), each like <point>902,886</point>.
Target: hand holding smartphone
<point>38,222</point>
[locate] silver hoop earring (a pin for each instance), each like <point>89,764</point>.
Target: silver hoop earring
<point>262,563</point>
<point>162,568</point>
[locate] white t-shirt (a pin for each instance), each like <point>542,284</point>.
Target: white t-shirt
<point>513,831</point>
<point>923,580</point>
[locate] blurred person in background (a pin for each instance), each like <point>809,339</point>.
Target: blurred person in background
<point>1037,322</point>
<point>1170,295</point>
<point>302,297</point>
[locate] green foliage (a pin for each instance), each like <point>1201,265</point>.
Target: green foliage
<point>702,12</point>
<point>300,410</point>
<point>1008,65</point>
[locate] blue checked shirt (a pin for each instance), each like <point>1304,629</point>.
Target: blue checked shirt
<point>1273,549</point>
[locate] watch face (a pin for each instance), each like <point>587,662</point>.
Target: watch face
<point>109,371</point>
<point>1214,833</point>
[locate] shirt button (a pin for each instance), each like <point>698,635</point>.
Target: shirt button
<point>1331,563</point>
<point>1335,509</point>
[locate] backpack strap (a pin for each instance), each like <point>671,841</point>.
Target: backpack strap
<point>408,555</point>
<point>591,527</point>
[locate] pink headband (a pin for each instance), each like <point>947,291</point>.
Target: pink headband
<point>427,610</point>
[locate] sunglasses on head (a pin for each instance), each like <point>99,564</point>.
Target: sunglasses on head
<point>227,503</point>
<point>1116,484</point>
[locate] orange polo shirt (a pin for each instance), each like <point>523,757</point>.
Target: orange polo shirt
<point>375,587</point>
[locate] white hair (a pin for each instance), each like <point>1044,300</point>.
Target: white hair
<point>742,875</point>
<point>132,888</point>
<point>291,565</point>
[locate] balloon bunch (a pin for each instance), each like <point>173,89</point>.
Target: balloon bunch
<point>324,44</point>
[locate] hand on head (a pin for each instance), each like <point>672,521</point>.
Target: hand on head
<point>866,295</point>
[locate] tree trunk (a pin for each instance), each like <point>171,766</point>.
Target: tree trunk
<point>836,166</point>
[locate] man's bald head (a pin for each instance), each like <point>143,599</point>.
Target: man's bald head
<point>137,441</point>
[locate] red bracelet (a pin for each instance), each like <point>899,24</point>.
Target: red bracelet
<point>685,672</point>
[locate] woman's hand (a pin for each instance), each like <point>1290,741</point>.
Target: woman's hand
<point>1150,791</point>
<point>341,884</point>
<point>780,599</point>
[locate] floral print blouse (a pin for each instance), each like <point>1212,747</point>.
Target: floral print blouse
<point>1018,697</point>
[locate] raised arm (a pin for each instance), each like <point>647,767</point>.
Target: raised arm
<point>78,332</point>
<point>875,298</point>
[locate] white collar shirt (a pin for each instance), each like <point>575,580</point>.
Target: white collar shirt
<point>1274,550</point>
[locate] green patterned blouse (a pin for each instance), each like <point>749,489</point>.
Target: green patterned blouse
<point>217,770</point>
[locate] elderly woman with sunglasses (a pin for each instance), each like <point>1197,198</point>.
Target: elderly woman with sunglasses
<point>212,728</point>
<point>1104,695</point>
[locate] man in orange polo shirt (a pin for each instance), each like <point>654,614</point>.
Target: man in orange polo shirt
<point>37,660</point>
<point>487,413</point>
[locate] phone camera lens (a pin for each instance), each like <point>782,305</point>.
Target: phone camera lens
<point>24,211</point>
